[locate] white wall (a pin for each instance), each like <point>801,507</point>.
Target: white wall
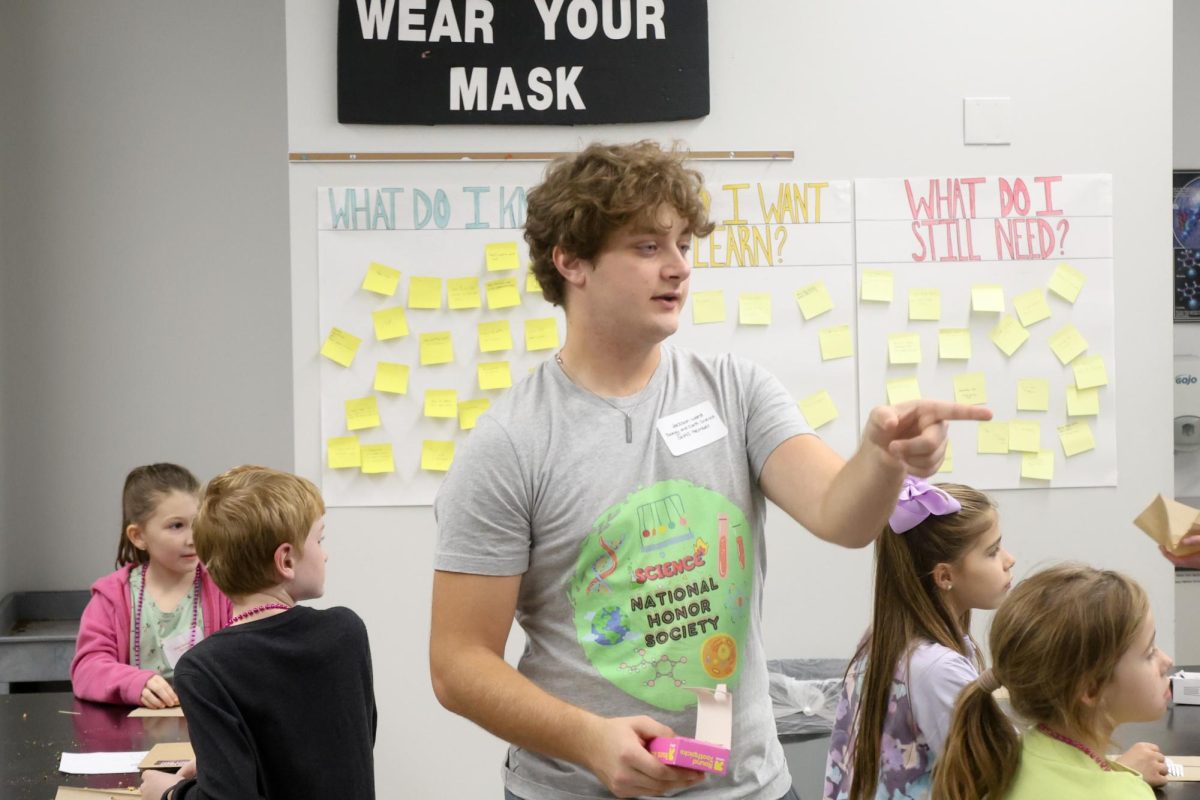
<point>146,300</point>
<point>857,89</point>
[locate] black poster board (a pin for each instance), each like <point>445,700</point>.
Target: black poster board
<point>561,62</point>
<point>1185,227</point>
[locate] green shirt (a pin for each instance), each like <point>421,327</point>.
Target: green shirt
<point>1050,768</point>
<point>158,626</point>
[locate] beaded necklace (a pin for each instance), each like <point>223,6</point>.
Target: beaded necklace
<point>137,621</point>
<point>256,610</point>
<point>1102,763</point>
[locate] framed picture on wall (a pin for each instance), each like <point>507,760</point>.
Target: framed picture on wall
<point>1185,229</point>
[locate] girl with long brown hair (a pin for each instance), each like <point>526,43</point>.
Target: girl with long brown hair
<point>938,558</point>
<point>1075,648</point>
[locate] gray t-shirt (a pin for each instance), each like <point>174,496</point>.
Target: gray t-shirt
<point>642,570</point>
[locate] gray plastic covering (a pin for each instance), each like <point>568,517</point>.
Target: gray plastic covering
<point>805,693</point>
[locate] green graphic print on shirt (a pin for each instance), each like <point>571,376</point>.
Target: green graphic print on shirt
<point>661,592</point>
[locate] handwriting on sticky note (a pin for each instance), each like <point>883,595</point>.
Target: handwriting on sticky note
<point>441,403</point>
<point>436,456</point>
<point>390,323</point>
<point>1090,372</point>
<point>531,283</point>
<point>1033,394</point>
<point>924,304</point>
<point>708,307</point>
<point>902,390</point>
<point>1025,436</point>
<point>992,437</point>
<point>814,300</point>
<point>836,342</point>
<point>904,348</point>
<point>436,348</point>
<point>470,410</point>
<point>340,347</point>
<point>1038,465</point>
<point>1082,402</point>
<point>970,388</point>
<point>502,256</point>
<point>754,308</point>
<point>362,413</point>
<point>377,459</point>
<point>502,293</point>
<point>819,409</point>
<point>494,375</point>
<point>1076,438</point>
<point>380,279</point>
<point>463,293</point>
<point>1008,335</point>
<point>495,336</point>
<point>1067,343</point>
<point>343,452</point>
<point>1066,282</point>
<point>541,334</point>
<point>1031,307</point>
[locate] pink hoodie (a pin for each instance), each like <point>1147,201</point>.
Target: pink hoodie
<point>101,670</point>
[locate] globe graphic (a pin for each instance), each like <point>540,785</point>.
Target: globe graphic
<point>1186,217</point>
<point>608,626</point>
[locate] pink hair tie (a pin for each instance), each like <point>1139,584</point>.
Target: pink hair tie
<point>917,501</point>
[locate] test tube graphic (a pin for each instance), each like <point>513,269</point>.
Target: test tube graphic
<point>722,544</point>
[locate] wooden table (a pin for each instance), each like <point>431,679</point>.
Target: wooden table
<point>35,729</point>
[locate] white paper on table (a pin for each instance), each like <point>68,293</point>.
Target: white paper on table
<point>101,763</point>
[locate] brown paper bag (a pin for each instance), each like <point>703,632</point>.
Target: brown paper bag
<point>1167,521</point>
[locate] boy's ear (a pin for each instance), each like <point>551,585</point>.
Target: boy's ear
<point>570,266</point>
<point>285,561</point>
<point>134,534</point>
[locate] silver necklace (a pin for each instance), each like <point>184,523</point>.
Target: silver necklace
<point>601,398</point>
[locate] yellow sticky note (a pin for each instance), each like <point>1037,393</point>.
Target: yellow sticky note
<point>708,307</point>
<point>495,336</point>
<point>380,279</point>
<point>502,293</point>
<point>441,403</point>
<point>948,458</point>
<point>1039,465</point>
<point>1031,307</point>
<point>1066,282</point>
<point>1033,394</point>
<point>1076,438</point>
<point>390,323</point>
<point>819,409</point>
<point>391,377</point>
<point>754,308</point>
<point>924,304</point>
<point>954,343</point>
<point>904,348</point>
<point>469,411</point>
<point>531,283</point>
<point>1082,402</point>
<point>463,292</point>
<point>814,299</point>
<point>340,347</point>
<point>541,334</point>
<point>436,348</point>
<point>362,413</point>
<point>1008,335</point>
<point>342,452</point>
<point>901,390</point>
<point>377,459</point>
<point>424,292</point>
<point>970,388</point>
<point>1067,343</point>
<point>992,438</point>
<point>501,256</point>
<point>876,286</point>
<point>1025,436</point>
<point>1090,372</point>
<point>436,456</point>
<point>494,375</point>
<point>987,298</point>
<point>836,342</point>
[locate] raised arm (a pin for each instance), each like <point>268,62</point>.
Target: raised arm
<point>848,502</point>
<point>472,615</point>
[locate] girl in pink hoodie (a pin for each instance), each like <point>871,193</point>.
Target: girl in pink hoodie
<point>158,603</point>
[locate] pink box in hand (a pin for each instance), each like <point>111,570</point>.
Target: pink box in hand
<point>709,750</point>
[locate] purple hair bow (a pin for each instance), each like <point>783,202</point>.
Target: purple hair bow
<point>917,501</point>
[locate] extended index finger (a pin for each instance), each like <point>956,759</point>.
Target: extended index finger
<point>930,411</point>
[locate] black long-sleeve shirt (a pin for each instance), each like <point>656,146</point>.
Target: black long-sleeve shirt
<point>281,708</point>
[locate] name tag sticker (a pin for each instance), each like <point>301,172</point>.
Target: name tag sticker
<point>691,429</point>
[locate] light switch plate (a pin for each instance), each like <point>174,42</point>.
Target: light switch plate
<point>987,120</point>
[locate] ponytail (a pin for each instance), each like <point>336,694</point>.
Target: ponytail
<point>982,749</point>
